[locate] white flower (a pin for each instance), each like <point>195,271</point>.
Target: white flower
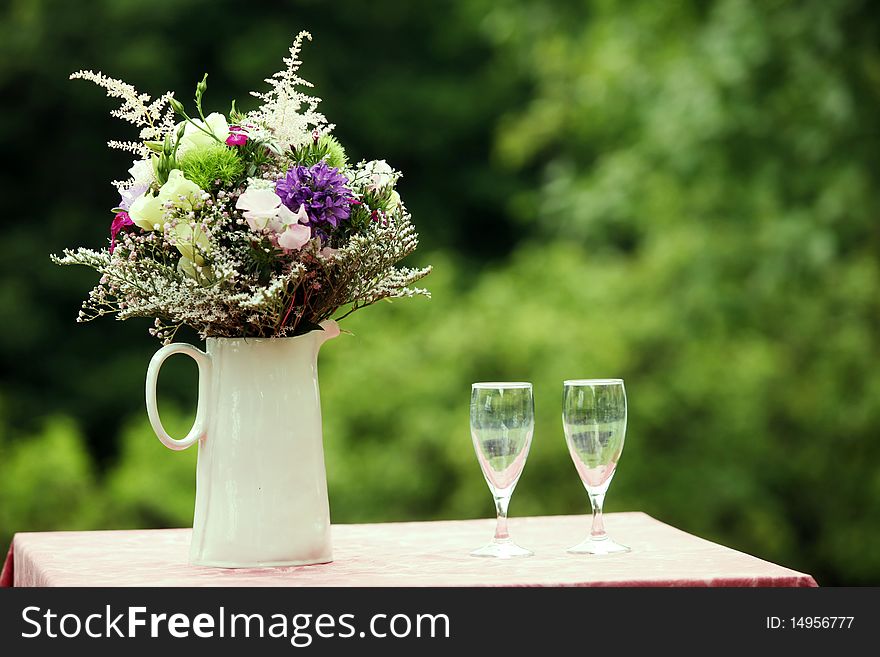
<point>261,208</point>
<point>291,114</point>
<point>264,213</point>
<point>188,268</point>
<point>260,183</point>
<point>195,138</point>
<point>191,242</point>
<point>287,217</point>
<point>148,212</point>
<point>380,173</point>
<point>143,175</point>
<point>393,201</point>
<point>142,171</point>
<point>181,191</point>
<point>201,273</point>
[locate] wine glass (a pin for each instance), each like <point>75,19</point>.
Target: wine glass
<point>502,424</point>
<point>594,420</point>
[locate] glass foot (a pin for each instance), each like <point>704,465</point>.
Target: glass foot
<point>506,549</point>
<point>599,546</point>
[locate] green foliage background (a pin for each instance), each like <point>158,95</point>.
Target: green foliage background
<point>680,193</point>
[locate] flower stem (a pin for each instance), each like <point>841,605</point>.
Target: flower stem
<point>205,130</point>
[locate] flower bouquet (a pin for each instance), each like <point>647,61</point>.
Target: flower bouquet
<point>255,230</point>
<point>248,225</point>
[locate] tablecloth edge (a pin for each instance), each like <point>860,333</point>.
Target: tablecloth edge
<point>7,579</point>
<point>809,580</point>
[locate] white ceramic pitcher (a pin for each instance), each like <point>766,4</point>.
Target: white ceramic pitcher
<point>261,486</point>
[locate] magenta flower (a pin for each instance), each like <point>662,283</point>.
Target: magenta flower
<point>120,221</point>
<point>237,136</point>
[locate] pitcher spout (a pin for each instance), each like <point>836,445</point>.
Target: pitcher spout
<point>331,330</point>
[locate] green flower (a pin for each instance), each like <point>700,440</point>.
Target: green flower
<point>205,166</point>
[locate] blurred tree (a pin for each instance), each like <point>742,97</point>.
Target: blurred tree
<point>415,86</point>
<point>723,159</point>
<point>150,487</point>
<point>48,481</point>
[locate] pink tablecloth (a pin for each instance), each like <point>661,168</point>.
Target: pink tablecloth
<point>404,554</point>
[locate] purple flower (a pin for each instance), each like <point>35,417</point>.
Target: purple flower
<point>321,190</point>
<point>120,221</point>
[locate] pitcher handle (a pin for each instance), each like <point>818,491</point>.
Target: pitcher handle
<point>199,427</point>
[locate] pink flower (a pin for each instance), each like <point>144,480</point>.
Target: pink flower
<point>295,237</point>
<point>265,214</point>
<point>119,222</point>
<point>236,139</point>
<point>237,136</point>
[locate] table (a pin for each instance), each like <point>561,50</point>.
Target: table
<point>404,554</point>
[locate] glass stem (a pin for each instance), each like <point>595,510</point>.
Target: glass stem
<point>501,504</point>
<point>597,532</point>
